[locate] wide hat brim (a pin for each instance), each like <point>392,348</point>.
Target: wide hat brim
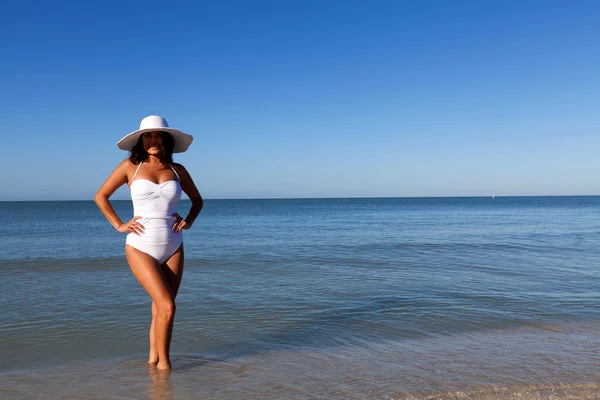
<point>182,140</point>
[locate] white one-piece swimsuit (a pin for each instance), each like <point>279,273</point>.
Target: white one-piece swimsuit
<point>156,203</point>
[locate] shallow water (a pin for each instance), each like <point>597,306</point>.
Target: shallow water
<point>528,363</point>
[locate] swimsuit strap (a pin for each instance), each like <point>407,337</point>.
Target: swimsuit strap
<point>136,171</point>
<point>176,174</point>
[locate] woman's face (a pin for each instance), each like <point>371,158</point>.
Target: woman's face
<point>153,143</point>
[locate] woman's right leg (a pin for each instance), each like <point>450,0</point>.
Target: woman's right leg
<point>173,271</point>
<point>149,274</point>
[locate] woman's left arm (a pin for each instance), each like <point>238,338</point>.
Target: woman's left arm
<point>189,188</point>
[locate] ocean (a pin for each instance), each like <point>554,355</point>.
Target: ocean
<point>384,298</point>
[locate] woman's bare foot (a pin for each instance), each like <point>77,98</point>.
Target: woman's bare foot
<point>163,366</point>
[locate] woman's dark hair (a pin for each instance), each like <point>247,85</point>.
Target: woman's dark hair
<point>138,154</point>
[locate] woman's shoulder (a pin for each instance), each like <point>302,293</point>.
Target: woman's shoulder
<point>178,167</point>
<point>127,163</point>
<point>126,166</point>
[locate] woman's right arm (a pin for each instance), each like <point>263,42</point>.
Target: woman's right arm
<point>117,179</point>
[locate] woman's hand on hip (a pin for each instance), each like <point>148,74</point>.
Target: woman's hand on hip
<point>180,223</point>
<point>132,227</point>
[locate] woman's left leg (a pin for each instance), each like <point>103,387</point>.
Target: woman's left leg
<point>173,271</point>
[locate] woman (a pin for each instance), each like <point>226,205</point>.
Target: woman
<point>154,245</point>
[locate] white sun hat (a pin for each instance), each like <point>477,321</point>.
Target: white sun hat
<point>156,123</point>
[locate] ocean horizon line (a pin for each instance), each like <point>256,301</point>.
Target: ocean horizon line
<point>327,198</point>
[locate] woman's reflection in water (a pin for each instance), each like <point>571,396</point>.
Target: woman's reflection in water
<point>160,387</point>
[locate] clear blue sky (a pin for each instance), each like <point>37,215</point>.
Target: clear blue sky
<point>327,98</point>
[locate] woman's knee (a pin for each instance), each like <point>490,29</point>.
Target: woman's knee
<point>165,309</point>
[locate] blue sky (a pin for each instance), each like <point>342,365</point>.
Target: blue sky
<point>306,98</point>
